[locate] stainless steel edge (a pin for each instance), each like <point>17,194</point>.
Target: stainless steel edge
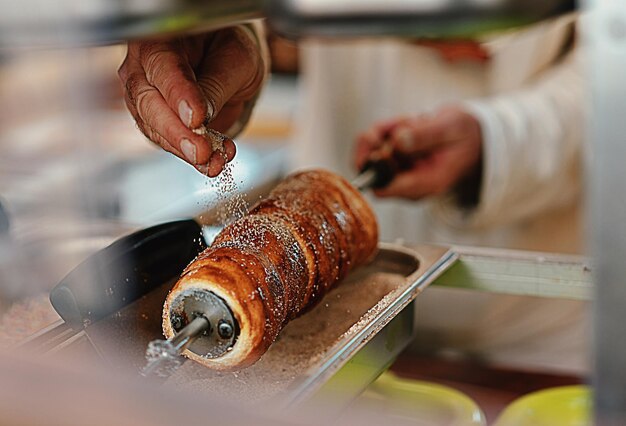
<point>48,338</point>
<point>344,350</point>
<point>520,273</point>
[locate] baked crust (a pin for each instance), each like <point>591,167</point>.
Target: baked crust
<point>279,260</point>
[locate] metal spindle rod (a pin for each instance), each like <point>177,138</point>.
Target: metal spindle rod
<point>163,356</point>
<point>364,180</point>
<point>188,334</point>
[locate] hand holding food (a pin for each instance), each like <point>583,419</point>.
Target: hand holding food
<point>176,89</point>
<point>433,153</point>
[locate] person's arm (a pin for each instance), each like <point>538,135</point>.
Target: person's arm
<point>177,87</point>
<point>532,147</point>
<point>493,161</point>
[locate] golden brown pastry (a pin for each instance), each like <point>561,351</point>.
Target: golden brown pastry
<point>280,259</point>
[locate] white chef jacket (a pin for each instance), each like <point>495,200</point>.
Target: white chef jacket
<point>529,99</point>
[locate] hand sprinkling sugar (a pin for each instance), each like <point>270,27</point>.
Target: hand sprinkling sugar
<point>223,148</point>
<point>231,204</point>
<point>175,87</point>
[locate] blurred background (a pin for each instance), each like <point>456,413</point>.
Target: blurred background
<point>76,174</point>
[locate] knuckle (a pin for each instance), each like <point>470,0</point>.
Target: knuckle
<point>146,48</point>
<point>153,64</point>
<point>144,106</point>
<point>171,86</point>
<point>153,55</point>
<point>214,89</point>
<point>175,67</point>
<point>132,86</point>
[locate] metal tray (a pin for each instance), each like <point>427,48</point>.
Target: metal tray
<point>358,358</point>
<point>352,360</point>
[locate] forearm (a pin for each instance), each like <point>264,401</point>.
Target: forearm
<point>532,142</point>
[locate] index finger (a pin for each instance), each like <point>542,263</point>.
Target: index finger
<point>167,67</point>
<point>416,136</point>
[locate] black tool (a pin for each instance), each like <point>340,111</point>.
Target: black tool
<point>377,173</point>
<point>381,167</point>
<point>119,274</point>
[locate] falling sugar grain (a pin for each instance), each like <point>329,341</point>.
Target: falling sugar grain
<point>230,203</point>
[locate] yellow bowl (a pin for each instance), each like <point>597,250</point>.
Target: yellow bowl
<point>426,403</point>
<point>562,406</point>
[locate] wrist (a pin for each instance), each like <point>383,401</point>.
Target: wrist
<point>466,191</point>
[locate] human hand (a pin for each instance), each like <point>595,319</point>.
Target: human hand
<point>435,152</point>
<point>173,87</point>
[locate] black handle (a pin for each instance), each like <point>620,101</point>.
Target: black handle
<point>384,172</point>
<point>384,164</point>
<point>126,270</point>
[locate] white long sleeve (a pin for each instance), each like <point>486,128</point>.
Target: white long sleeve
<point>532,143</point>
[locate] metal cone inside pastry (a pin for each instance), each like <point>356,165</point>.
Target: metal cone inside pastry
<point>271,266</point>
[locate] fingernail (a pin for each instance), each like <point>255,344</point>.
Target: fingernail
<point>210,111</point>
<point>216,164</point>
<point>189,150</point>
<point>185,113</point>
<point>230,149</point>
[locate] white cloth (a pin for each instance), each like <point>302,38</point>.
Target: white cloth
<point>529,101</point>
